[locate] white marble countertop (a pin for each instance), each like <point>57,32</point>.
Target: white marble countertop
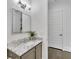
<point>20,47</point>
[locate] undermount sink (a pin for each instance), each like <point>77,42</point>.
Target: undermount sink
<point>16,43</point>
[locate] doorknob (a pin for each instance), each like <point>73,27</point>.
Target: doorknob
<point>60,34</point>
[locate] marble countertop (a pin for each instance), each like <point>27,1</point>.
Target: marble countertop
<point>21,46</point>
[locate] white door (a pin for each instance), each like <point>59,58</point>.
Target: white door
<point>56,28</point>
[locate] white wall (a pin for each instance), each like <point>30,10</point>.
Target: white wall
<point>65,5</point>
<point>10,36</point>
<point>39,22</point>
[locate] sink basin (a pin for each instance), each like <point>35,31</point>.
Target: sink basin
<point>16,43</point>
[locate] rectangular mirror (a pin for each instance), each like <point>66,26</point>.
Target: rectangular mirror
<point>21,23</point>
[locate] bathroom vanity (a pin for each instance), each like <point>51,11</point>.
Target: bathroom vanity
<point>25,50</point>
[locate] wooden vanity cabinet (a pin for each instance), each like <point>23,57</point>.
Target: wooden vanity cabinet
<point>39,51</point>
<point>34,53</point>
<point>29,55</point>
<point>11,55</point>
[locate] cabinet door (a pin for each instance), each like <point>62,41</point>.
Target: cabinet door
<point>39,51</point>
<point>29,55</point>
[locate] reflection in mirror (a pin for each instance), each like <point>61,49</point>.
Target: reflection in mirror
<point>21,22</point>
<point>26,23</point>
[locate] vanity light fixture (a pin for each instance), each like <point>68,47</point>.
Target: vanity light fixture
<point>26,6</point>
<point>23,6</point>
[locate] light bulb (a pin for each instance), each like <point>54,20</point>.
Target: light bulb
<point>16,1</point>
